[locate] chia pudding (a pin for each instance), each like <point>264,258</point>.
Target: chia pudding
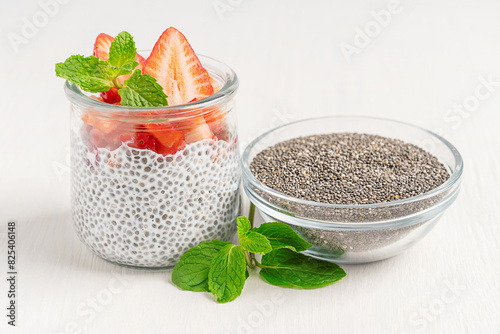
<point>154,149</point>
<point>349,169</point>
<point>140,208</point>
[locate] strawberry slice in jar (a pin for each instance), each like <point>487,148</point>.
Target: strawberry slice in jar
<point>194,128</point>
<point>218,123</point>
<point>168,139</point>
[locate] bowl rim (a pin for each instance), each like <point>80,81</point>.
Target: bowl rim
<point>455,173</point>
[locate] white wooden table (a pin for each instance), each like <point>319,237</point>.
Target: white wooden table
<point>295,59</point>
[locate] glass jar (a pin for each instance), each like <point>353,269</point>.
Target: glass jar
<point>147,184</point>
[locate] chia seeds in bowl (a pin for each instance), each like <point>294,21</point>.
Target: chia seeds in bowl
<point>359,189</point>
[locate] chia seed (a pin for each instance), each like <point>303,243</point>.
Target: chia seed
<point>349,169</point>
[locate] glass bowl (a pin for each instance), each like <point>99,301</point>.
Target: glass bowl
<point>356,233</point>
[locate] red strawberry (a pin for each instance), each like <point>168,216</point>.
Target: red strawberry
<point>215,85</point>
<point>168,139</point>
<point>177,69</point>
<point>106,126</point>
<point>102,45</point>
<point>100,138</point>
<point>195,129</point>
<point>111,96</point>
<point>98,98</point>
<point>218,123</point>
<point>96,138</point>
<point>139,140</point>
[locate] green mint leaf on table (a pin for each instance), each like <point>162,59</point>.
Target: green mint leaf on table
<point>221,267</point>
<point>255,242</point>
<point>282,235</point>
<point>191,272</point>
<point>90,73</point>
<point>122,50</point>
<point>227,273</point>
<point>142,90</point>
<point>284,267</point>
<point>244,225</point>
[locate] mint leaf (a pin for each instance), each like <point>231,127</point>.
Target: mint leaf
<point>191,272</point>
<point>255,243</point>
<point>284,267</point>
<point>90,73</point>
<point>227,273</point>
<point>221,267</point>
<point>142,91</point>
<point>244,225</point>
<point>282,235</point>
<point>122,50</point>
<point>123,70</point>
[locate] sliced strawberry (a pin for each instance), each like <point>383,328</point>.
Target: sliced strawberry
<point>195,129</point>
<point>106,126</point>
<point>140,59</point>
<point>101,139</point>
<point>168,139</point>
<point>139,140</point>
<point>101,51</point>
<point>103,132</point>
<point>102,45</point>
<point>177,69</point>
<point>98,98</point>
<point>96,138</point>
<point>111,96</point>
<point>217,121</point>
<point>88,118</point>
<point>215,85</point>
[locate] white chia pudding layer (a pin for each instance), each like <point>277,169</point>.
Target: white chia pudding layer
<point>139,208</point>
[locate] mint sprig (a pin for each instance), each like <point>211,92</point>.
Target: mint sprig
<point>142,90</point>
<point>222,268</point>
<point>90,73</point>
<point>281,235</point>
<point>244,225</point>
<point>192,271</point>
<point>122,50</point>
<point>94,75</point>
<point>255,242</point>
<point>284,267</point>
<point>227,273</point>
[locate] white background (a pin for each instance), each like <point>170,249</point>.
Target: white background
<point>430,57</point>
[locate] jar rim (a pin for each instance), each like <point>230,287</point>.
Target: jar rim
<point>214,67</point>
